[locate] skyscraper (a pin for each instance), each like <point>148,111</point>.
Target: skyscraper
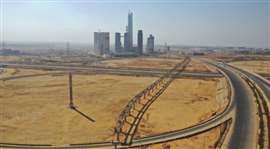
<point>126,43</point>
<point>102,43</point>
<point>118,45</point>
<point>130,29</point>
<point>150,44</point>
<point>140,42</point>
<point>128,40</point>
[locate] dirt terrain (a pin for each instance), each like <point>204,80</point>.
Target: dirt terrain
<point>202,141</point>
<point>197,66</point>
<point>40,104</point>
<point>14,72</point>
<point>186,102</point>
<point>10,58</point>
<point>159,63</point>
<point>260,67</point>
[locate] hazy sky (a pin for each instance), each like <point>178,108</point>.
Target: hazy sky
<point>183,22</point>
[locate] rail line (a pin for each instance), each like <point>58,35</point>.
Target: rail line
<point>129,119</point>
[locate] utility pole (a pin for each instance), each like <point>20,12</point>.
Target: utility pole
<point>71,104</point>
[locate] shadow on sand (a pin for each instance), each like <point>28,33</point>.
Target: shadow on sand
<point>82,114</point>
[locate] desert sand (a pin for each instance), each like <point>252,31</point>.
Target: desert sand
<point>35,109</point>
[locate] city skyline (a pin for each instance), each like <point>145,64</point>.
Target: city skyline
<point>202,23</point>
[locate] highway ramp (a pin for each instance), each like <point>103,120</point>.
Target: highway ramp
<point>245,122</point>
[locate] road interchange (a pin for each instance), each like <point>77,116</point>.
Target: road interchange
<point>242,111</point>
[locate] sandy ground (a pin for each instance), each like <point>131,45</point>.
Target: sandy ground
<point>10,58</point>
<point>202,141</point>
<point>35,110</point>
<point>260,67</point>
<point>13,72</point>
<point>40,104</point>
<point>197,66</point>
<point>160,63</point>
<point>184,103</point>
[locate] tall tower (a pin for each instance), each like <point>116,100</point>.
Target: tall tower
<point>130,29</point>
<point>118,45</point>
<point>126,44</point>
<point>140,42</point>
<point>102,43</point>
<point>150,44</point>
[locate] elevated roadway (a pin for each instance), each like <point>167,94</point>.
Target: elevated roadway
<point>242,110</point>
<point>260,81</point>
<point>245,121</point>
<point>148,72</point>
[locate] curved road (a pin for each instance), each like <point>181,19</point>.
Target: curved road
<point>264,85</point>
<point>245,122</point>
<point>242,110</point>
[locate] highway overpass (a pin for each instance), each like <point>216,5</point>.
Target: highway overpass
<point>242,110</point>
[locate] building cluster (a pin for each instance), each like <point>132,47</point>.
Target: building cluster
<point>6,52</point>
<point>102,42</point>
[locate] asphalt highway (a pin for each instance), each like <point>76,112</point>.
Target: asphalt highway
<point>265,86</point>
<point>242,110</point>
<point>245,122</point>
<point>118,71</point>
